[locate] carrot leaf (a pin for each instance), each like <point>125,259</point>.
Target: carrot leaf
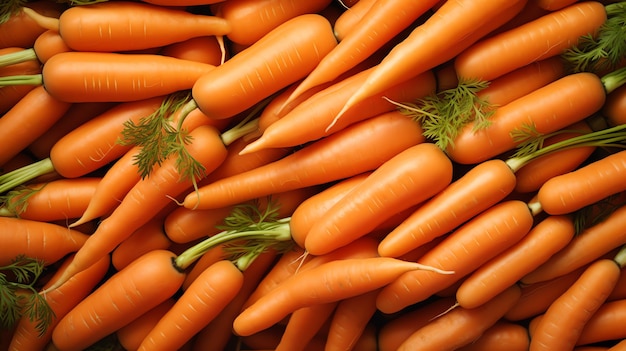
<point>10,8</point>
<point>19,297</point>
<point>15,202</point>
<point>595,213</point>
<point>442,115</point>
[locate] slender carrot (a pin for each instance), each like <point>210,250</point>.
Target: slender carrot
<point>316,163</point>
<point>283,56</point>
<point>460,326</point>
<point>350,320</point>
<point>266,15</point>
<point>542,241</point>
<point>502,336</point>
<point>562,323</point>
<point>547,36</point>
<point>301,290</point>
<point>463,251</point>
<point>148,237</point>
<point>614,106</point>
<point>350,17</point>
<point>553,5</point>
<point>205,49</point>
<point>132,334</point>
<point>128,25</point>
<point>394,186</point>
<point>46,241</point>
<point>604,324</point>
<point>303,325</point>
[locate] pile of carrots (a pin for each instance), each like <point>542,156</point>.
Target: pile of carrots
<point>313,175</point>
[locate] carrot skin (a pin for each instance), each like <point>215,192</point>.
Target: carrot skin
<point>604,324</point>
<point>317,160</point>
<point>20,30</point>
<point>132,334</point>
<point>502,336</point>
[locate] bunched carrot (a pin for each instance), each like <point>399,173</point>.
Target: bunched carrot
<point>350,320</point>
<point>20,30</point>
<point>303,325</point>
<point>604,324</point>
<point>303,289</point>
<point>132,334</point>
<point>46,45</point>
<point>502,336</point>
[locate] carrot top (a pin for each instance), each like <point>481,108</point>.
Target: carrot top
<point>9,8</point>
<point>19,296</point>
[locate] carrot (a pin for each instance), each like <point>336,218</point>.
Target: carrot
<point>86,148</point>
<point>481,187</point>
<point>550,36</point>
<point>304,324</point>
<point>28,119</point>
<point>320,162</point>
<point>463,251</point>
<point>196,307</point>
<point>304,290</point>
<point>553,5</point>
<point>584,186</point>
<point>20,30</point>
<point>350,320</point>
<point>47,44</point>
<point>283,56</point>
<point>394,186</point>
<point>350,17</point>
<point>132,334</point>
<point>205,49</point>
<point>312,119</point>
<point>148,196</point>
<point>436,41</point>
<point>590,244</point>
<point>140,26</point>
<point>604,324</point>
<point>148,237</point>
<point>266,15</point>
<point>619,346</point>
<point>562,323</point>
<point>26,337</point>
<point>45,241</point>
<point>60,199</point>
<point>614,106</point>
<point>128,294</point>
<point>382,22</point>
<point>544,239</point>
<point>503,336</point>
<point>460,326</point>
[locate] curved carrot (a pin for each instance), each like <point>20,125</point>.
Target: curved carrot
<point>148,237</point>
<point>502,336</point>
<point>544,37</point>
<point>266,15</point>
<point>114,26</point>
<point>436,41</point>
<point>128,294</point>
<point>463,251</point>
<point>350,320</point>
<point>148,196</point>
<point>205,49</point>
<point>460,326</point>
<point>283,56</point>
<point>478,189</point>
<point>26,337</point>
<point>303,289</point>
<point>46,241</point>
<point>132,334</point>
<point>20,30</point>
<point>564,320</point>
<point>394,186</point>
<point>324,161</point>
<point>303,325</point>
<point>604,324</point>
<point>196,307</point>
<point>542,241</point>
<point>60,199</point>
<point>584,186</point>
<point>614,107</point>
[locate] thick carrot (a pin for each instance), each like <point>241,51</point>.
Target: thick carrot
<point>562,323</point>
<point>584,186</point>
<point>437,41</point>
<point>205,49</point>
<point>544,239</point>
<point>132,334</point>
<point>502,336</point>
<point>60,199</point>
<point>350,320</point>
<point>303,325</point>
<point>28,119</point>
<point>148,237</point>
<point>586,247</point>
<point>281,57</point>
<point>84,76</point>
<point>196,307</point>
<point>46,241</point>
<point>128,294</point>
<point>266,15</point>
<point>393,187</point>
<point>460,326</point>
<point>20,30</point>
<point>462,251</point>
<point>604,324</point>
<point>481,187</point>
<point>547,36</point>
<point>139,26</point>
<point>304,289</point>
<point>614,107</point>
<point>148,196</point>
<point>350,17</point>
<point>382,22</point>
<point>369,144</point>
<point>312,119</point>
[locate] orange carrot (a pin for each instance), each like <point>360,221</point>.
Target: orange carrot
<point>553,5</point>
<point>20,30</point>
<point>148,237</point>
<point>502,336</point>
<point>139,26</point>
<point>132,334</point>
<point>317,163</point>
<point>394,186</point>
<point>46,241</point>
<point>463,251</point>
<point>350,320</point>
<point>614,106</point>
<point>303,325</point>
<point>47,44</point>
<point>304,290</point>
<point>604,324</point>
<point>350,17</point>
<point>544,239</point>
<point>283,56</point>
<point>205,49</point>
<point>460,326</point>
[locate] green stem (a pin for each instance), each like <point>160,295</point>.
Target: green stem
<point>18,57</point>
<point>26,79</point>
<point>614,80</point>
<point>22,175</point>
